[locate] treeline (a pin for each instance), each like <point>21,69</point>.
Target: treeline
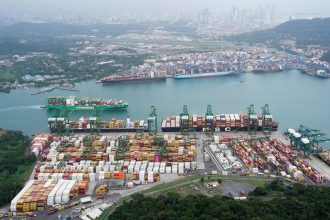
<point>15,163</point>
<point>274,201</point>
<point>305,32</point>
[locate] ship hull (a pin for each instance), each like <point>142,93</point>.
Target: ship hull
<point>218,129</point>
<point>206,75</point>
<point>134,80</point>
<point>267,71</point>
<point>105,108</point>
<point>106,130</point>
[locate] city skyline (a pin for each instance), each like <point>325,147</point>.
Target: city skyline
<point>147,8</point>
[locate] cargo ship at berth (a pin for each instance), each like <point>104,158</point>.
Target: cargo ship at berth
<point>137,77</point>
<point>222,122</point>
<point>85,125</point>
<point>205,75</point>
<point>84,103</point>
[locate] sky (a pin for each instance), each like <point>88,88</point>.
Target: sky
<point>55,7</point>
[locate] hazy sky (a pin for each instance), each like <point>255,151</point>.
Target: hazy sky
<point>53,7</point>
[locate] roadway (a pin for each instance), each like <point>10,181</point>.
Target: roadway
<point>320,166</point>
<point>200,158</point>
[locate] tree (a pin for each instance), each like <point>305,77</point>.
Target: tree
<point>260,191</point>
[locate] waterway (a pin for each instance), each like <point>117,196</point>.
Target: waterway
<point>294,98</point>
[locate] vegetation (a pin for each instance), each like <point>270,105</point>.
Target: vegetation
<point>305,32</point>
<point>74,68</point>
<point>16,163</point>
<point>272,201</point>
<point>60,45</point>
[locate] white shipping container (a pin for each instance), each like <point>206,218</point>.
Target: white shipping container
<point>162,170</point>
<point>58,195</point>
<point>112,168</point>
<point>92,177</point>
<point>101,175</point>
<point>216,139</point>
<point>156,170</point>
<point>142,176</point>
<point>80,177</point>
<point>14,201</point>
<point>187,165</point>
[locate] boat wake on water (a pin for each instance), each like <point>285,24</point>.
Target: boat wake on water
<point>13,108</point>
<point>230,84</point>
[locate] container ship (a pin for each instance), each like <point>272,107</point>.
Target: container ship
<point>84,125</point>
<point>136,77</point>
<point>84,103</point>
<point>223,122</point>
<point>205,75</point>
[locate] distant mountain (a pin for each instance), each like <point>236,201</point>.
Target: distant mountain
<point>304,32</point>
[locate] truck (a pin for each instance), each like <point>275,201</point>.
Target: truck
<point>30,214</point>
<point>61,207</point>
<point>51,211</point>
<point>73,204</point>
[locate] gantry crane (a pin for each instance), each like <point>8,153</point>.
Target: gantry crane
<point>139,133</point>
<point>296,140</point>
<point>252,120</point>
<point>305,145</point>
<point>267,120</point>
<point>59,121</point>
<point>308,134</point>
<point>307,139</point>
<point>316,144</point>
<point>209,121</point>
<point>152,121</point>
<point>306,130</point>
<point>160,143</point>
<point>95,120</point>
<point>123,146</point>
<point>184,121</point>
<point>87,146</point>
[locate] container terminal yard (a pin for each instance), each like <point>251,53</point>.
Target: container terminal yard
<point>98,165</point>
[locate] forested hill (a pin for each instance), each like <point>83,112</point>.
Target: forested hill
<point>305,32</point>
<point>16,163</point>
<point>274,201</point>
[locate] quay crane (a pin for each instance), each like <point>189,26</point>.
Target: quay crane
<point>57,123</point>
<point>209,119</point>
<point>316,141</point>
<point>95,121</point>
<point>184,120</point>
<point>305,130</point>
<point>252,120</point>
<point>267,120</point>
<point>306,139</point>
<point>152,121</point>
